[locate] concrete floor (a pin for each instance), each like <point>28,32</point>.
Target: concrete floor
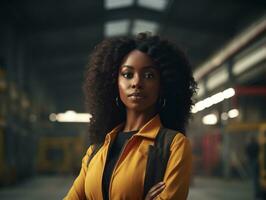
<point>55,187</point>
<point>220,189</point>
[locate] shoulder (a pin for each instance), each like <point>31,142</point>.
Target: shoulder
<point>90,149</point>
<point>180,141</point>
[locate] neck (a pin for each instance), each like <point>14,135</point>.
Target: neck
<point>136,120</point>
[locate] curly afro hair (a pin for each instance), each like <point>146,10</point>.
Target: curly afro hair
<point>100,86</point>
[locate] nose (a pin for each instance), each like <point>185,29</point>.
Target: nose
<point>137,81</point>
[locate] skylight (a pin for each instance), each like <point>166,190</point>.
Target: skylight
<point>158,5</point>
<point>116,28</point>
<point>112,4</point>
<point>143,26</point>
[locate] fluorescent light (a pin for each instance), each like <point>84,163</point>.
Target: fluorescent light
<point>52,117</point>
<point>112,4</point>
<point>217,78</point>
<point>194,109</point>
<point>233,113</point>
<point>158,5</point>
<point>207,102</point>
<point>70,116</point>
<point>224,53</point>
<point>210,119</point>
<point>143,26</point>
<point>199,106</point>
<point>228,93</point>
<point>201,89</point>
<point>224,116</point>
<point>116,28</point>
<point>249,61</point>
<point>217,98</point>
<point>214,99</point>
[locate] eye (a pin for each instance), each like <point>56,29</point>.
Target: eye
<point>148,75</point>
<point>127,75</point>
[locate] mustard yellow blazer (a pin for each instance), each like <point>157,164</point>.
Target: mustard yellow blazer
<point>127,181</point>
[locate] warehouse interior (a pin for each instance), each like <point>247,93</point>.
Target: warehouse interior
<point>44,50</point>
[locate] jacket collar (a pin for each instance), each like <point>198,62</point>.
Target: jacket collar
<point>149,130</point>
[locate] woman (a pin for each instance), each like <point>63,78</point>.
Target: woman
<point>133,87</point>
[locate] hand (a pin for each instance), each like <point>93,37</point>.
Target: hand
<point>155,191</point>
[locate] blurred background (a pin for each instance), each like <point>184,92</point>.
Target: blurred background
<point>44,47</point>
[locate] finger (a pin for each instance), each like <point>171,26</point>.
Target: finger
<point>156,194</point>
<point>158,185</point>
<point>157,191</point>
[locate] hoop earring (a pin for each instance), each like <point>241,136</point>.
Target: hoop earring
<point>162,102</point>
<point>117,102</point>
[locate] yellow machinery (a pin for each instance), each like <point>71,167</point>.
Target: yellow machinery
<point>262,156</point>
<point>7,172</point>
<point>60,154</point>
<point>2,161</point>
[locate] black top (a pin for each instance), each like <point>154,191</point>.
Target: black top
<point>112,157</point>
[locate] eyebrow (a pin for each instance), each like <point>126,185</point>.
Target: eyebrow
<point>129,66</point>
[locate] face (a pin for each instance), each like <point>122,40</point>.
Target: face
<point>138,82</point>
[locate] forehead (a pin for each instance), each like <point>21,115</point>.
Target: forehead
<point>137,59</point>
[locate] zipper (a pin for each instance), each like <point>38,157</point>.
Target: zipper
<point>112,176</point>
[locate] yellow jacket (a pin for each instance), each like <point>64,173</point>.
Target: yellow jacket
<point>127,181</point>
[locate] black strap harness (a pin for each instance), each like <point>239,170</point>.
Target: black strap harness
<point>158,157</point>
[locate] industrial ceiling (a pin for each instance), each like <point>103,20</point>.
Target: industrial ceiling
<point>57,36</point>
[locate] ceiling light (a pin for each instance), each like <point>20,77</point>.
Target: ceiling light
<point>217,78</point>
<point>233,113</point>
<point>143,26</point>
<point>210,119</point>
<point>214,99</point>
<point>158,5</point>
<point>224,116</point>
<point>234,46</point>
<point>228,93</point>
<point>249,61</point>
<point>112,4</point>
<point>217,98</point>
<point>71,116</point>
<point>201,89</point>
<point>194,109</point>
<point>116,28</point>
<point>52,117</point>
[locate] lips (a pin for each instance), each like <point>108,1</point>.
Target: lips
<point>136,96</point>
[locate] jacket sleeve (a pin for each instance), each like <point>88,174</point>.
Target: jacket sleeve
<point>178,171</point>
<point>77,191</point>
